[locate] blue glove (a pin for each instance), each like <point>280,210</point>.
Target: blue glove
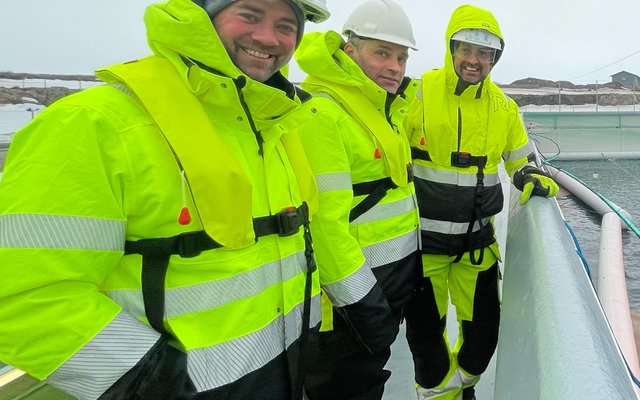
<point>533,181</point>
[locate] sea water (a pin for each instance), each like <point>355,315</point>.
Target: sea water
<point>619,182</point>
<point>566,135</point>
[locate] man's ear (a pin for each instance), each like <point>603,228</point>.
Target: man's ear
<point>350,49</point>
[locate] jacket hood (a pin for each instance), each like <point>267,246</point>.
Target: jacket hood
<point>320,55</point>
<point>182,28</point>
<point>469,17</point>
<point>179,29</point>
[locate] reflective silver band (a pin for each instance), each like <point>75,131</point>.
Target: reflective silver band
<point>351,289</point>
<point>108,356</point>
<point>450,228</point>
<point>46,231</point>
<point>391,250</point>
<point>227,362</point>
<point>516,154</point>
<point>333,182</point>
<point>452,177</point>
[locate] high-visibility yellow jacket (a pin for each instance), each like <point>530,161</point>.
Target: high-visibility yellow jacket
<point>94,170</point>
<point>356,141</point>
<point>451,120</point>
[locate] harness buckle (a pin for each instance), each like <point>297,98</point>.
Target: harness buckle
<point>289,221</point>
<point>460,159</point>
<point>188,244</point>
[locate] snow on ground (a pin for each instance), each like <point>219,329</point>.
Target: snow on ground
<point>579,108</point>
<point>15,116</point>
<point>47,83</point>
<point>565,91</point>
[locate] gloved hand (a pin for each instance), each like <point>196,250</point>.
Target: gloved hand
<point>533,181</point>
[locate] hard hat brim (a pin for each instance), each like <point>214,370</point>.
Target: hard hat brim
<point>480,37</point>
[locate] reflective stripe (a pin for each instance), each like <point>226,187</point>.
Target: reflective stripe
<point>46,231</point>
<point>351,289</point>
<point>384,211</point>
<point>516,154</point>
<point>224,363</point>
<point>124,89</point>
<point>334,181</point>
<point>108,356</point>
<point>208,295</point>
<point>450,228</point>
<point>391,250</point>
<point>452,177</point>
<point>326,96</point>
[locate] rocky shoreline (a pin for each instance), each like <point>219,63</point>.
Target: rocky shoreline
<point>525,92</point>
<point>538,92</point>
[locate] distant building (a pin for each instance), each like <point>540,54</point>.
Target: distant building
<point>626,79</point>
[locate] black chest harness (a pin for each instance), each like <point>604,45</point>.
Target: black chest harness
<point>464,160</point>
<point>156,253</point>
<point>375,191</point>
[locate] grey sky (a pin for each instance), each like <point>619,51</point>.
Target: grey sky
<point>547,39</point>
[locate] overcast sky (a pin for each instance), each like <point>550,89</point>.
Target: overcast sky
<point>581,41</point>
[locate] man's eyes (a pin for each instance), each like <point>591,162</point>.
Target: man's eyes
<point>248,17</point>
<point>288,29</point>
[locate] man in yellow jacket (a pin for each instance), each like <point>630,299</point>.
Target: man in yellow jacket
<point>361,159</point>
<point>461,127</point>
<point>154,231</point>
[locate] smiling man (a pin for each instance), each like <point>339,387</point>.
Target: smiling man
<point>259,36</point>
<point>461,127</point>
<point>154,231</point>
<point>361,159</point>
<point>472,61</point>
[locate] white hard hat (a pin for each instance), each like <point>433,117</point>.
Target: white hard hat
<point>314,10</point>
<point>480,37</point>
<point>382,20</point>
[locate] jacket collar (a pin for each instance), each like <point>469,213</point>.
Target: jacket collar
<point>183,33</point>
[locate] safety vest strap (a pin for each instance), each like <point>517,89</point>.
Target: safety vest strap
<point>419,154</point>
<point>459,159</point>
<point>186,244</point>
<point>463,159</point>
<point>375,191</point>
<point>156,253</point>
<point>286,223</point>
